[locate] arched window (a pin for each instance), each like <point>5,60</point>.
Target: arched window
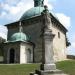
<point>58,34</point>
<point>11,56</point>
<point>28,55</point>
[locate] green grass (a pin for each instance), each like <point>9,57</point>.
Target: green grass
<point>23,69</point>
<point>67,66</point>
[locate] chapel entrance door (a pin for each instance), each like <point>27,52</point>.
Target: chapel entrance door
<point>28,56</point>
<point>12,56</point>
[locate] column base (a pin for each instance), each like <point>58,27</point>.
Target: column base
<point>51,72</point>
<point>48,67</point>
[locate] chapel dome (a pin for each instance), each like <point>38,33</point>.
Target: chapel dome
<point>20,36</point>
<point>33,12</point>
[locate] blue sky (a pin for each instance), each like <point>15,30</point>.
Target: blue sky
<point>12,10</point>
<point>67,7</point>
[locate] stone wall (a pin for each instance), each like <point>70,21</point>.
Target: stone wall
<point>7,48</point>
<point>11,31</point>
<point>59,44</point>
<point>33,30</point>
<point>25,56</point>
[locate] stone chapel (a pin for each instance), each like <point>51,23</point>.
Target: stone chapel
<point>24,41</point>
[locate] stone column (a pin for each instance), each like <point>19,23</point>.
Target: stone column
<point>47,51</point>
<point>47,43</point>
<point>48,66</point>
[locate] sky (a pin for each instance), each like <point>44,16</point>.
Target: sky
<point>12,10</point>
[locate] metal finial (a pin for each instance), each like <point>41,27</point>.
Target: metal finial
<point>38,3</point>
<point>20,27</point>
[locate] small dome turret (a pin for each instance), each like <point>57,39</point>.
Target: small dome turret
<point>19,37</point>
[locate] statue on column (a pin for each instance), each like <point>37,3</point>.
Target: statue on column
<point>46,18</point>
<point>47,42</point>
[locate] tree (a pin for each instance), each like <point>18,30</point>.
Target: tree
<point>2,40</point>
<point>67,42</point>
<point>1,46</point>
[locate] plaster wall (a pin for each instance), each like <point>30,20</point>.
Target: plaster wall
<point>7,49</point>
<point>59,44</point>
<point>34,31</point>
<point>25,57</point>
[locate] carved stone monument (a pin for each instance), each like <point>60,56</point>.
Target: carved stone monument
<point>47,43</point>
<point>48,66</point>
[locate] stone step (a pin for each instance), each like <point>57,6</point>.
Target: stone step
<point>32,73</point>
<point>51,72</point>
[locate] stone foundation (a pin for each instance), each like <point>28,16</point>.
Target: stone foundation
<point>51,72</point>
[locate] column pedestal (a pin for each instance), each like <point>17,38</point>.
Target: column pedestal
<point>50,72</point>
<point>48,67</point>
<point>47,51</point>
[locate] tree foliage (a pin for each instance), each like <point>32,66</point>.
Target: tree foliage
<point>1,46</point>
<point>67,42</point>
<point>2,40</point>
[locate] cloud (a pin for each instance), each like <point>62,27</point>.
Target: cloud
<point>3,14</point>
<point>46,2</point>
<point>65,20</point>
<point>14,9</point>
<point>73,41</point>
<point>13,12</point>
<point>10,12</point>
<point>3,32</point>
<point>12,2</point>
<point>71,49</point>
<point>73,44</point>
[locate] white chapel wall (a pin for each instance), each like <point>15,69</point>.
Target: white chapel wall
<point>59,44</point>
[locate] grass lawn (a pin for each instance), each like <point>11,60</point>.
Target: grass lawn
<point>67,66</point>
<point>17,69</point>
